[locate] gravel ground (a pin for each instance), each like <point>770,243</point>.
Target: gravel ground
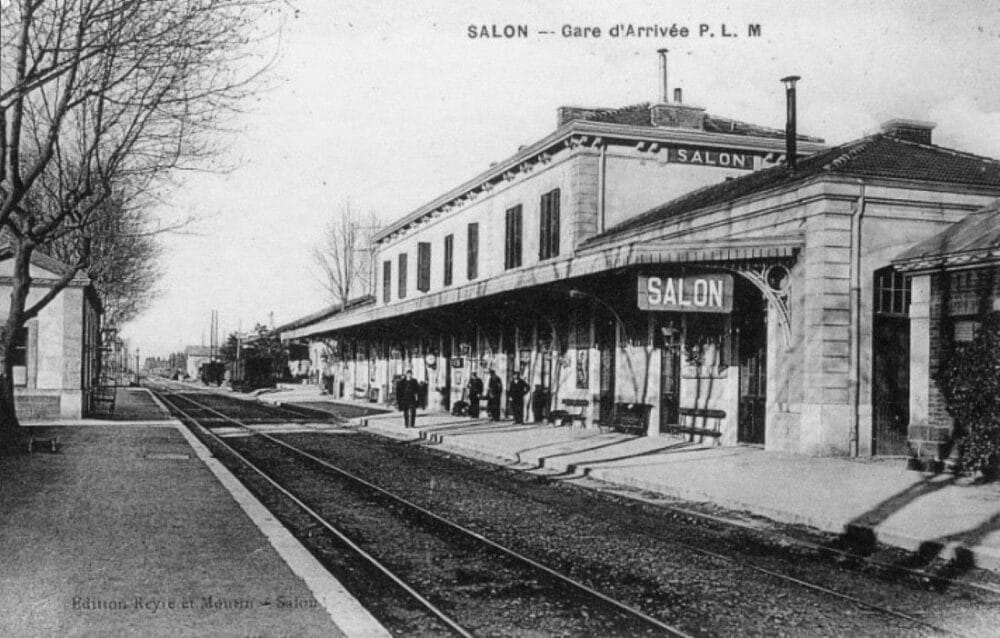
<point>647,555</point>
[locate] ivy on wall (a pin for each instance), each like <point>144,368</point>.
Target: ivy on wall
<point>970,381</point>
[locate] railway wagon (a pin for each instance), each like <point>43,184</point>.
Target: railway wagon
<point>212,373</point>
<point>252,373</point>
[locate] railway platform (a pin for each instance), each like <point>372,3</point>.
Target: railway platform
<point>867,499</point>
<point>131,529</point>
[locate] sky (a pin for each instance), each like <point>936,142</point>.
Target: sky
<point>390,104</point>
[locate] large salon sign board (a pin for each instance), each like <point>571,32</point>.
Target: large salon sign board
<point>711,292</point>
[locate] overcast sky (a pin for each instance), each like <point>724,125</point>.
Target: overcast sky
<point>391,104</point>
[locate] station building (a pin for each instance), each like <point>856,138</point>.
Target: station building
<point>953,280</point>
<point>758,305</point>
<point>58,352</point>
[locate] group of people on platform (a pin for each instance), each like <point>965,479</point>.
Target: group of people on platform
<point>494,393</point>
<point>408,396</point>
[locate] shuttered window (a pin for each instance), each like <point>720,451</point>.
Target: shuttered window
<point>512,244</point>
<point>423,266</point>
<point>386,281</point>
<point>472,267</point>
<point>402,276</point>
<point>449,258</point>
<point>548,235</point>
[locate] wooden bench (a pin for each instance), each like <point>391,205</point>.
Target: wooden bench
<point>629,418</point>
<point>52,444</point>
<point>102,397</point>
<point>689,418</point>
<point>565,417</point>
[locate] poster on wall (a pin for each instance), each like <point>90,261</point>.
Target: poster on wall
<point>582,369</point>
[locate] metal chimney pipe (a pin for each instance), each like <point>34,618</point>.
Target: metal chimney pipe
<point>791,152</point>
<point>664,94</point>
<point>677,95</point>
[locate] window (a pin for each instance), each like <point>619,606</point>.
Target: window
<point>20,356</point>
<point>386,281</point>
<point>512,245</point>
<point>892,293</point>
<point>548,236</point>
<point>472,267</point>
<point>449,258</point>
<point>402,276</point>
<point>19,359</point>
<point>423,266</point>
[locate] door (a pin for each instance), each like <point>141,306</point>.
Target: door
<point>605,338</point>
<point>890,363</point>
<point>670,387</point>
<point>751,334</point>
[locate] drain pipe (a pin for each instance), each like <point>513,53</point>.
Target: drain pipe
<point>854,369</point>
<point>601,177</point>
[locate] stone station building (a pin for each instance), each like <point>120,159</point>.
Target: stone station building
<point>748,309</point>
<point>58,352</point>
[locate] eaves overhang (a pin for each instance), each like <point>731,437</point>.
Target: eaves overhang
<point>595,132</point>
<point>593,262</point>
<point>952,261</point>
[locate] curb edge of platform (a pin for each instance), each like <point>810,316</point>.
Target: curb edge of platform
<point>344,610</point>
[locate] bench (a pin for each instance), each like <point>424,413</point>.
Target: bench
<point>52,444</point>
<point>565,417</point>
<point>102,397</point>
<point>689,418</point>
<point>629,418</point>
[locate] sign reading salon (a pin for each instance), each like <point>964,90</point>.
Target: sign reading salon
<point>722,158</point>
<point>712,292</point>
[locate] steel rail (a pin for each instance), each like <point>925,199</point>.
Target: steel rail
<point>792,579</point>
<point>439,614</point>
<point>631,611</point>
<point>770,572</point>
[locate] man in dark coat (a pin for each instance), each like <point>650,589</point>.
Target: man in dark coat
<point>475,388</point>
<point>518,388</point>
<point>407,398</point>
<point>494,393</point>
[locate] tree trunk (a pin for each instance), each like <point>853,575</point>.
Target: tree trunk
<point>11,433</point>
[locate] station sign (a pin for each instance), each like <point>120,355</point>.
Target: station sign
<point>722,158</point>
<point>710,292</point>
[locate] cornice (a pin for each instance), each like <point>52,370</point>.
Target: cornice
<point>584,134</point>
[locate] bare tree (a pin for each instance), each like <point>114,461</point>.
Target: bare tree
<point>123,260</point>
<point>103,99</point>
<point>345,255</point>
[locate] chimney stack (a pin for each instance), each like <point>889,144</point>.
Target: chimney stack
<point>664,93</point>
<point>791,152</point>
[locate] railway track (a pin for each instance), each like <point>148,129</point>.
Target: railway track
<point>532,597</point>
<point>292,457</point>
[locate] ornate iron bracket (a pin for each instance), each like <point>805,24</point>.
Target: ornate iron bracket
<point>773,280</point>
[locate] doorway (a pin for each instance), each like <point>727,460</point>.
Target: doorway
<point>605,339</point>
<point>890,363</point>
<point>670,387</point>
<point>750,326</point>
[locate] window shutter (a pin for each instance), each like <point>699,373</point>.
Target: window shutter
<point>449,257</point>
<point>386,281</point>
<point>402,275</point>
<point>424,266</point>
<point>473,262</point>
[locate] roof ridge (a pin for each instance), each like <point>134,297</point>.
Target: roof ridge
<point>950,151</point>
<point>853,148</point>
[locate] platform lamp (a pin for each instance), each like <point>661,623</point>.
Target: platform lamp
<point>579,294</point>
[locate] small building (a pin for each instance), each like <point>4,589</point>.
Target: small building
<point>57,359</point>
<point>195,357</point>
<point>953,280</point>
